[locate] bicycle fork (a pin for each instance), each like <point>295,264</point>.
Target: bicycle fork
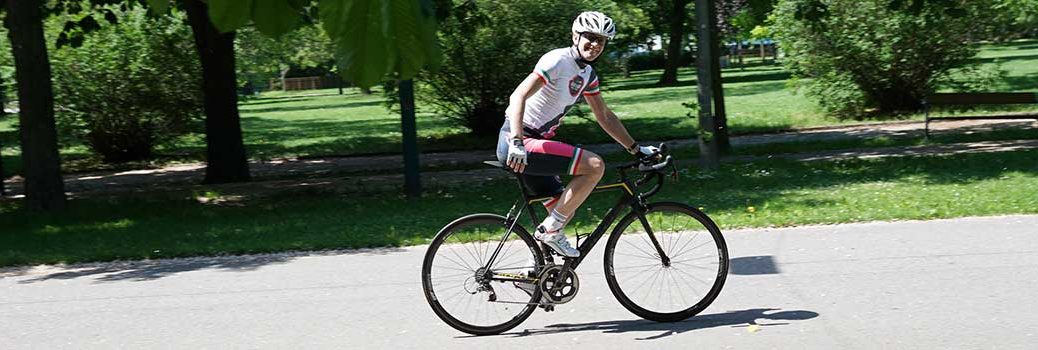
<point>640,210</point>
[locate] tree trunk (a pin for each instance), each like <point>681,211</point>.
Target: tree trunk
<point>676,18</point>
<point>724,145</point>
<point>225,152</point>
<point>622,59</point>
<point>408,128</point>
<point>44,188</point>
<point>709,149</point>
<point>284,72</point>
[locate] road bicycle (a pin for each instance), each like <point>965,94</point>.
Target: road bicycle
<point>484,274</point>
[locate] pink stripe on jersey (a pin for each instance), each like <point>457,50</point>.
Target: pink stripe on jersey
<point>554,148</point>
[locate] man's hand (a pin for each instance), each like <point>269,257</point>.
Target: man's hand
<point>517,155</point>
<point>645,153</point>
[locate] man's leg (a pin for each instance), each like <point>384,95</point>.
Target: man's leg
<point>588,170</point>
<point>548,157</point>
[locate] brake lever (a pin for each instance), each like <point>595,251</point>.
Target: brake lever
<point>655,167</point>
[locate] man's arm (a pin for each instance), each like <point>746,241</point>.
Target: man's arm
<point>609,122</point>
<point>517,102</point>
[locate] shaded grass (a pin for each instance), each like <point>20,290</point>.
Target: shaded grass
<point>766,193</point>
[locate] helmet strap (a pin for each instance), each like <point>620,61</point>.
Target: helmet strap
<point>581,61</point>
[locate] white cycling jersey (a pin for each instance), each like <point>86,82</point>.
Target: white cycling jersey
<point>566,79</point>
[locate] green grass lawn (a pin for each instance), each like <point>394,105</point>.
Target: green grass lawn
<point>759,194</point>
<point>324,123</point>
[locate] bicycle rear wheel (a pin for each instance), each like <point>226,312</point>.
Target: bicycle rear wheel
<point>652,289</point>
<point>469,297</point>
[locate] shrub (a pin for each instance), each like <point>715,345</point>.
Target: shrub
<point>130,86</point>
<point>876,54</point>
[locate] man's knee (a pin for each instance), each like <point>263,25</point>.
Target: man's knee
<point>594,165</point>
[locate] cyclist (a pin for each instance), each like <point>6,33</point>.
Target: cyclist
<point>560,79</point>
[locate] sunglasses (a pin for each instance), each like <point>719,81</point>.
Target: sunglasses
<point>595,38</point>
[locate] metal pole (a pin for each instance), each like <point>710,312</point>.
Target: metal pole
<point>412,184</point>
<point>708,145</point>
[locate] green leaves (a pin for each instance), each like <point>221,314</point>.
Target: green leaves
<point>158,6</point>
<point>275,17</point>
<point>378,37</point>
<point>228,15</point>
<point>361,46</point>
<point>411,25</point>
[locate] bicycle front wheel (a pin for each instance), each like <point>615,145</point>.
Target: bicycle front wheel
<point>468,295</point>
<point>673,289</point>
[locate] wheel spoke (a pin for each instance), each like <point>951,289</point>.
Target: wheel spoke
<point>667,292</point>
<point>466,247</point>
<point>651,255</point>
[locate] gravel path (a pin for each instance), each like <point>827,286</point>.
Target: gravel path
<point>335,172</point>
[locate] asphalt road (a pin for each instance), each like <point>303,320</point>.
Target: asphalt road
<point>962,284</point>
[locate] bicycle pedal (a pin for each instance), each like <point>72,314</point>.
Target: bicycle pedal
<point>548,308</point>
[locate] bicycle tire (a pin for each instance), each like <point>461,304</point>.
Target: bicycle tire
<point>697,220</point>
<point>456,227</point>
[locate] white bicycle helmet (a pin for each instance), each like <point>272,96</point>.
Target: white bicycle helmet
<point>594,22</point>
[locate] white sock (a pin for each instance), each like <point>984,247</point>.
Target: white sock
<point>554,222</point>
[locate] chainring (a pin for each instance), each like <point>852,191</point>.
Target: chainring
<point>562,293</point>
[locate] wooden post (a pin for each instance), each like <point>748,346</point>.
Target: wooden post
<point>708,146</point>
<point>412,177</point>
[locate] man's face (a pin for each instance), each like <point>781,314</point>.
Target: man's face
<point>589,45</point>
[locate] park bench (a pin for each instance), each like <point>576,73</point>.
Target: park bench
<point>984,98</point>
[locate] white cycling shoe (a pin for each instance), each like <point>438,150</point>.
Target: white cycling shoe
<point>557,241</point>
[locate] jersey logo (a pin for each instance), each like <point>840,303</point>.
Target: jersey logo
<point>575,85</point>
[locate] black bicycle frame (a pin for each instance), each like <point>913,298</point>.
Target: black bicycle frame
<point>629,199</point>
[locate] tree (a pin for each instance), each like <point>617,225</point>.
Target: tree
<point>676,14</point>
<point>634,28</point>
<point>44,187</point>
<point>373,38</point>
<point>3,112</point>
<point>879,55</point>
<point>225,150</point>
<point>736,18</point>
<point>6,70</point>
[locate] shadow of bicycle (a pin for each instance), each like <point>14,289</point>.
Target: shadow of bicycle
<point>764,317</point>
